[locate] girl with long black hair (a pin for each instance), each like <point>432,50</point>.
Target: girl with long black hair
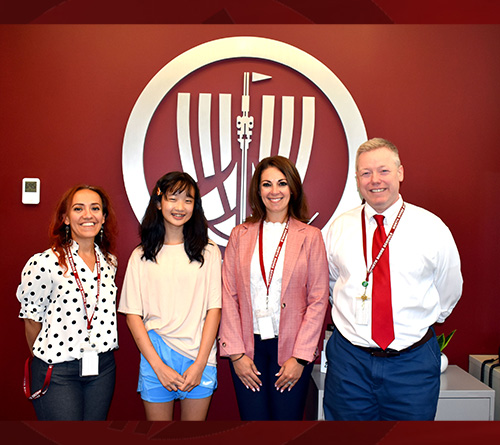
<point>172,298</point>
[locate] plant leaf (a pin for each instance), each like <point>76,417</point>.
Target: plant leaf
<point>443,341</point>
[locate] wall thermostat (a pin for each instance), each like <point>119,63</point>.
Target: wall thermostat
<point>31,191</point>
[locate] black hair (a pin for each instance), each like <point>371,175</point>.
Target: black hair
<point>152,228</point>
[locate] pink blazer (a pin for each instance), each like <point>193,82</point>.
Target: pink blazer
<point>304,293</point>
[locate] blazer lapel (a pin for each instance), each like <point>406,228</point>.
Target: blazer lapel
<point>294,242</point>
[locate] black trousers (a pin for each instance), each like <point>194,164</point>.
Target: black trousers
<point>268,403</point>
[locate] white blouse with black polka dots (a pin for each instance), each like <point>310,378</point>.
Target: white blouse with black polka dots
<point>52,297</point>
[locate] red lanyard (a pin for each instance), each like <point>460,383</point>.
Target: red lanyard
<point>80,286</point>
<point>384,246</point>
<point>27,379</point>
<point>276,254</point>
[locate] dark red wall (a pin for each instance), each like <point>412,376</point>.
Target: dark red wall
<point>66,93</point>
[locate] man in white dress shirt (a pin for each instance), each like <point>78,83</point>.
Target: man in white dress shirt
<point>396,378</point>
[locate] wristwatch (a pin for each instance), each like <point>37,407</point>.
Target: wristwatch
<point>301,361</point>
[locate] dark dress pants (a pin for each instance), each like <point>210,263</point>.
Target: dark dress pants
<point>71,397</point>
<point>268,403</point>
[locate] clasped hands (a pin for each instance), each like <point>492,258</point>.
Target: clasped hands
<point>288,375</point>
<point>173,381</point>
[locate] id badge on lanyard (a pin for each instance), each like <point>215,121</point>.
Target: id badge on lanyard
<point>266,322</point>
<point>89,360</point>
<point>89,355</point>
<point>265,317</point>
<point>362,311</point>
<point>363,308</point>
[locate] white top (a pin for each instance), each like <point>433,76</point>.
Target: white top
<point>52,298</point>
<point>426,281</point>
<point>271,238</point>
<point>173,295</point>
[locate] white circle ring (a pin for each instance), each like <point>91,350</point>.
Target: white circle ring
<point>231,48</point>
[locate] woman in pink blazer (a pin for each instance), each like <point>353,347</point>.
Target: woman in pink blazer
<point>275,295</point>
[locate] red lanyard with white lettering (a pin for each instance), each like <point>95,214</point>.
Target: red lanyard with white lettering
<point>276,255</point>
<point>27,379</point>
<point>80,286</point>
<point>384,246</point>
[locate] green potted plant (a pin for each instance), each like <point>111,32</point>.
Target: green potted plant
<point>443,341</point>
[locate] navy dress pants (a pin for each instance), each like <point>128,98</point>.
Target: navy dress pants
<point>359,386</point>
<point>268,403</point>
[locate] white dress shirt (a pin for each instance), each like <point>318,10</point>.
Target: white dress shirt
<point>270,241</point>
<point>426,281</point>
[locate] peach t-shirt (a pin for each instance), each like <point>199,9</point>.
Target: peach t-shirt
<point>173,295</point>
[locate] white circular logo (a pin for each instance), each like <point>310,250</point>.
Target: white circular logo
<point>232,129</point>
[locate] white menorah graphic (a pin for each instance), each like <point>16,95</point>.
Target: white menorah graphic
<point>226,50</point>
<point>212,201</point>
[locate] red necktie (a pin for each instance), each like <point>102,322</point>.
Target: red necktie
<point>382,323</point>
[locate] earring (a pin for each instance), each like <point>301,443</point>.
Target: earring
<point>101,233</point>
<point>67,234</point>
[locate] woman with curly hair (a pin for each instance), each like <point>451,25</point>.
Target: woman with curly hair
<point>68,301</point>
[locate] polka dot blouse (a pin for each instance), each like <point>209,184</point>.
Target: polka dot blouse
<point>52,297</point>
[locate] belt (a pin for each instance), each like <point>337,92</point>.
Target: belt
<point>377,352</point>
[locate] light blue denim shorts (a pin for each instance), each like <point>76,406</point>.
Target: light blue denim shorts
<point>153,391</point>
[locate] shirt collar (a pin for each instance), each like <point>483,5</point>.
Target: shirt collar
<point>390,213</point>
<point>74,247</point>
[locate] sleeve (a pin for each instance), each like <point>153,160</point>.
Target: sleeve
<point>215,278</point>
<point>447,277</point>
<point>316,300</point>
<point>131,296</point>
<point>36,287</point>
<point>231,335</point>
